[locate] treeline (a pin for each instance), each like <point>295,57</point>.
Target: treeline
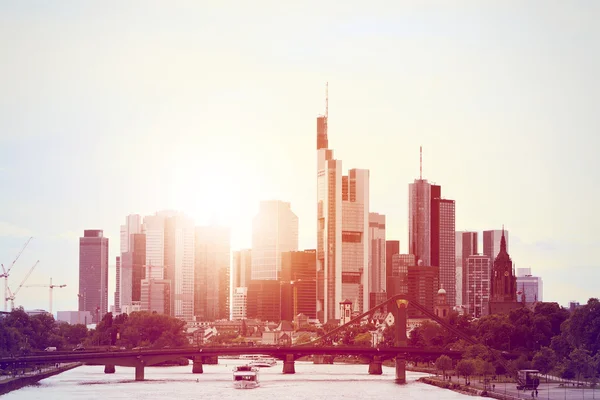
<point>549,339</point>
<point>21,333</point>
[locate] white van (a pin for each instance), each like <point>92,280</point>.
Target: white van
<point>50,349</point>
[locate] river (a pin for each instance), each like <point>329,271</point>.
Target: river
<point>310,382</point>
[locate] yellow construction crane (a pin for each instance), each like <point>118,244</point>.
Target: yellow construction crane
<point>6,273</point>
<point>11,295</point>
<point>51,286</point>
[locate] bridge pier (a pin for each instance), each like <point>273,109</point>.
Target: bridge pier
<point>197,367</point>
<point>375,366</point>
<point>139,372</point>
<point>288,364</point>
<point>109,369</point>
<point>400,370</point>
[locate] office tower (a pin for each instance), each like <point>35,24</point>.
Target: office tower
<point>179,263</point>
<point>391,247</point>
<point>377,259</point>
<point>118,286</point>
<point>170,247</point>
<point>466,245</point>
<point>93,273</point>
<point>419,220</point>
<point>491,242</point>
<point>342,230</point>
<point>241,268</point>
<point>298,284</point>
<point>478,272</point>
<point>274,231</point>
<point>443,247</point>
<point>529,287</point>
<point>239,301</point>
<point>264,300</point>
<point>423,285</point>
<point>138,271</point>
<point>211,273</point>
<point>398,281</point>
<point>133,224</point>
<point>503,289</point>
<point>155,296</point>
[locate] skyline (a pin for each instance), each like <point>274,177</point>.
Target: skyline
<point>501,98</point>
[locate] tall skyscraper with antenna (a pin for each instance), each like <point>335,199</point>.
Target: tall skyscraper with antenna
<point>342,230</point>
<point>431,232</point>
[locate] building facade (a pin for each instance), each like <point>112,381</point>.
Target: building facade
<point>211,273</point>
<point>466,245</point>
<point>423,286</point>
<point>298,284</point>
<point>478,285</point>
<point>503,289</point>
<point>377,258</point>
<point>93,273</point>
<point>264,300</point>
<point>444,251</point>
<point>491,242</point>
<point>274,231</point>
<point>155,296</point>
<point>342,231</point>
<point>529,288</point>
<point>239,301</point>
<point>419,220</point>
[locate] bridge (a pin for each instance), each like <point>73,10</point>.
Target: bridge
<point>200,355</point>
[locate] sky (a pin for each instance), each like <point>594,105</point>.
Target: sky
<point>129,107</point>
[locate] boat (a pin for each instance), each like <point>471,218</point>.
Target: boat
<point>245,377</point>
<point>263,362</point>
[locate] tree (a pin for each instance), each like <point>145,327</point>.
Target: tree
<point>583,327</point>
<point>581,362</point>
<point>544,360</point>
<point>484,368</point>
<point>362,339</point>
<point>443,363</point>
<point>465,368</point>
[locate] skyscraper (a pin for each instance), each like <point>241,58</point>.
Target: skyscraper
<point>491,242</point>
<point>241,268</point>
<point>529,287</point>
<point>211,273</point>
<point>93,273</point>
<point>274,231</point>
<point>466,245</point>
<point>298,284</point>
<point>342,231</point>
<point>133,225</point>
<point>377,256</point>
<point>118,286</point>
<point>431,232</point>
<point>478,270</point>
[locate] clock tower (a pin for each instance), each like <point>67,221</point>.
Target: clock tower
<point>503,285</point>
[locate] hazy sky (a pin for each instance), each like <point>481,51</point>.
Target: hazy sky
<point>110,108</point>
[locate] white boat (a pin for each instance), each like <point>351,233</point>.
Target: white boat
<point>245,377</point>
<point>264,362</point>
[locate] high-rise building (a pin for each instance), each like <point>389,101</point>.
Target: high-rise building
<point>419,220</point>
<point>118,286</point>
<point>274,231</point>
<point>529,287</point>
<point>503,287</point>
<point>491,242</point>
<point>241,268</point>
<point>478,272</point>
<point>466,245</point>
<point>138,271</point>
<point>398,281</point>
<point>444,253</point>
<point>298,284</point>
<point>423,286</point>
<point>155,296</point>
<point>377,259</point>
<point>264,300</point>
<point>179,263</point>
<point>211,273</point>
<point>239,301</point>
<point>133,224</point>
<point>93,273</point>
<point>391,247</point>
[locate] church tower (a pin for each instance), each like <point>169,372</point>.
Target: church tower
<point>503,285</point>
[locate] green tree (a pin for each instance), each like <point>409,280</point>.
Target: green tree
<point>544,360</point>
<point>465,368</point>
<point>362,339</point>
<point>583,327</point>
<point>484,368</point>
<point>443,363</point>
<point>581,362</point>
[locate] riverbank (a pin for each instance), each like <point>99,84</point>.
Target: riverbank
<point>463,389</point>
<point>10,384</point>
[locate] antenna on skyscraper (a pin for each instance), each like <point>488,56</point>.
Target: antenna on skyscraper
<point>420,162</point>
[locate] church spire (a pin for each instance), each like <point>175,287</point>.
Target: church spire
<point>503,241</point>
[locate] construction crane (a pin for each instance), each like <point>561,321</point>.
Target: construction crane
<point>51,286</point>
<point>6,273</point>
<point>11,295</point>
